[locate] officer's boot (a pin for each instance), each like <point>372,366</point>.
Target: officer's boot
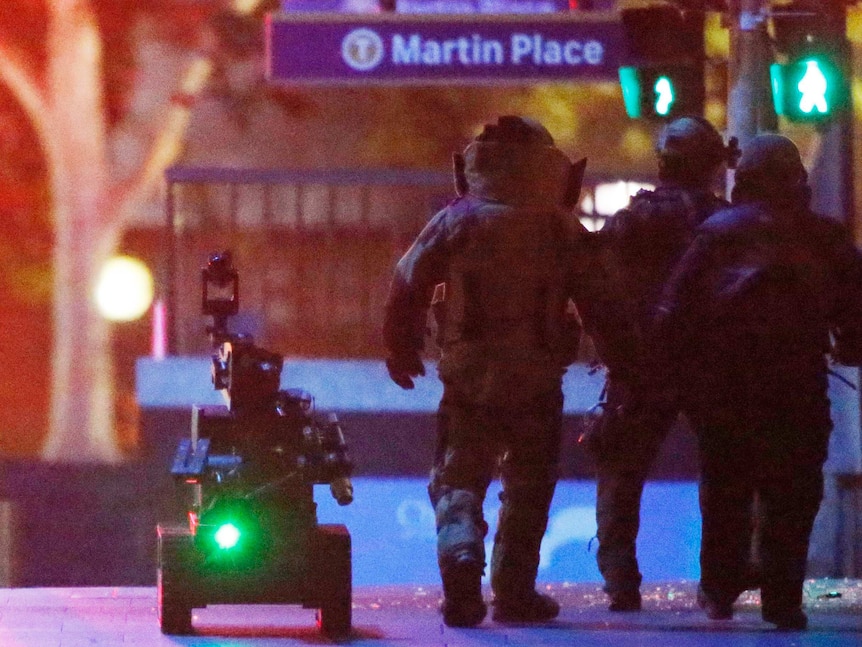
<point>717,606</point>
<point>463,605</point>
<point>786,528</point>
<point>781,603</point>
<point>461,533</point>
<point>515,559</point>
<point>792,619</point>
<point>618,495</point>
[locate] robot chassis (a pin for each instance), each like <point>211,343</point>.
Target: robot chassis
<point>252,535</point>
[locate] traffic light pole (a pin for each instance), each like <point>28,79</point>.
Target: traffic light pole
<point>836,551</point>
<point>831,178</point>
<point>749,103</point>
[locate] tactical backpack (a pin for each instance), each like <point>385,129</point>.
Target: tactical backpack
<point>766,296</point>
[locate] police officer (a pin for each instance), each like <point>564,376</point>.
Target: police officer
<point>644,242</point>
<point>746,321</point>
<point>502,262</point>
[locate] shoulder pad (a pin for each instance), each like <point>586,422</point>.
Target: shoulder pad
<point>730,219</point>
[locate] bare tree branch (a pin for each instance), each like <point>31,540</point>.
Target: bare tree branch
<point>23,82</point>
<point>166,145</point>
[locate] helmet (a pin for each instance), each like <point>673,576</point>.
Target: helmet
<point>691,138</point>
<point>772,157</point>
<point>516,130</point>
<point>514,158</point>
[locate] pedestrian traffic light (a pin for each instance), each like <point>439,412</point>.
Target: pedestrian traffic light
<point>661,91</point>
<point>809,85</point>
<point>809,88</point>
<point>663,74</point>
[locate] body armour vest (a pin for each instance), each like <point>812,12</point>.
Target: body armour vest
<point>650,236</point>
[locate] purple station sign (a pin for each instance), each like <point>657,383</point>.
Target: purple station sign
<point>338,49</point>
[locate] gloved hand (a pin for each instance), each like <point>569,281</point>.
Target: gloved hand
<point>402,368</point>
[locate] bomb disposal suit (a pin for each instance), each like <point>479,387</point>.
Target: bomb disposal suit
<point>510,259</point>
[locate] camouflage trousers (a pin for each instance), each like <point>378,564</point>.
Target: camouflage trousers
<point>474,444</point>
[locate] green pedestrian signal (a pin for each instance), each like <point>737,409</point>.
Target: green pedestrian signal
<point>813,86</point>
<point>662,91</point>
<point>809,88</point>
<point>664,94</point>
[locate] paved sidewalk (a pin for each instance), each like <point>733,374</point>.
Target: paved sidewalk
<point>407,615</point>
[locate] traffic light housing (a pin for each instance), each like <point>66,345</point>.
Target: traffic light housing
<point>663,75</point>
<point>811,84</point>
<point>662,91</point>
<point>811,87</point>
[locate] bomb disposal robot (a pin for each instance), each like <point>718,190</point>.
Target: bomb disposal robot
<point>252,535</point>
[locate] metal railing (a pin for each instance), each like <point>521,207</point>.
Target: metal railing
<point>315,250</point>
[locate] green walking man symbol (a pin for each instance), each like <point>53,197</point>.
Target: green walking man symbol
<point>813,87</point>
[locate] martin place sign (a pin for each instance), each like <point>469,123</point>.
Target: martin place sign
<point>421,49</point>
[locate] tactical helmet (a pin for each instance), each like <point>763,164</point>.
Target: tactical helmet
<point>772,157</point>
<point>692,138</point>
<point>516,130</point>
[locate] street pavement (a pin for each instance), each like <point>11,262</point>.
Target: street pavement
<point>406,615</point>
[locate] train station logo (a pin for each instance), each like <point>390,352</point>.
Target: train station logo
<point>362,49</point>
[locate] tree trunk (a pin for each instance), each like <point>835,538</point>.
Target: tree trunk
<point>68,114</point>
<point>82,402</point>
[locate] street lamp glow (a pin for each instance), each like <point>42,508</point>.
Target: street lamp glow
<point>124,290</point>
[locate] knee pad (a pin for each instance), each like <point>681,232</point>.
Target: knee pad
<point>461,527</point>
